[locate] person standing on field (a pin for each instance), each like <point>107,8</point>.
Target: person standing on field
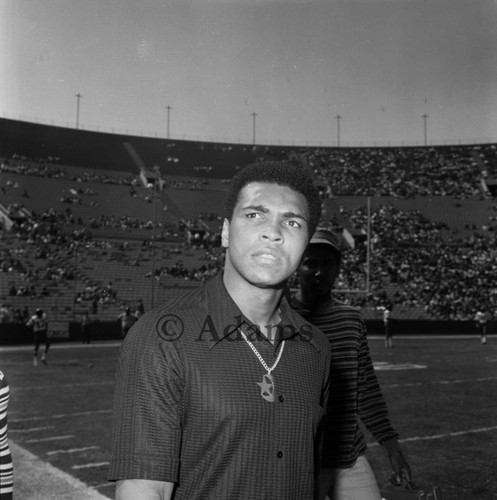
<point>481,320</point>
<point>85,328</point>
<point>387,325</point>
<point>355,394</point>
<point>126,320</point>
<point>39,323</point>
<point>220,397</point>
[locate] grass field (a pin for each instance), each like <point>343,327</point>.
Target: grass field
<point>442,395</point>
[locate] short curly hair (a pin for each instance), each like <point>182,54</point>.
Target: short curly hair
<point>284,173</point>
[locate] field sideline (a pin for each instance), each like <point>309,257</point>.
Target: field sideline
<point>441,393</point>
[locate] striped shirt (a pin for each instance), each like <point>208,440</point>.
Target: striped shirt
<point>189,405</point>
<point>6,468</point>
<point>355,393</point>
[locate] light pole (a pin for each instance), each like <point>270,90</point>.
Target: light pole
<point>78,97</point>
<point>168,118</point>
<point>157,177</point>
<point>253,127</point>
<point>425,118</point>
<point>338,118</point>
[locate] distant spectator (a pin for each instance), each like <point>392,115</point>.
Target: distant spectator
<point>140,308</point>
<point>85,328</point>
<point>39,323</point>
<point>387,325</point>
<point>481,319</point>
<point>127,320</point>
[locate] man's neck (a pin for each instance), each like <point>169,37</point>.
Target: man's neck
<point>259,305</point>
<point>312,301</point>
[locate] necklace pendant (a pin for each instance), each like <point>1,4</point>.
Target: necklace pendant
<point>267,387</point>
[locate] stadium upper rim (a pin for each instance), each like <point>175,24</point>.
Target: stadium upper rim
<point>224,140</point>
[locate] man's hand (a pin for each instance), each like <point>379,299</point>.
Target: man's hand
<point>142,489</point>
<point>399,464</point>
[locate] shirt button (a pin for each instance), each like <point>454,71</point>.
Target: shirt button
<point>281,399</point>
<point>280,454</point>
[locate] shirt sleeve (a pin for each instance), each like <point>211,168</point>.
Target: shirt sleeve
<point>146,432</point>
<point>373,410</point>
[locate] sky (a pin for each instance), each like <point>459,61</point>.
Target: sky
<point>302,72</point>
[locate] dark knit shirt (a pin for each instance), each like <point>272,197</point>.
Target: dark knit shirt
<point>188,407</point>
<point>355,393</point>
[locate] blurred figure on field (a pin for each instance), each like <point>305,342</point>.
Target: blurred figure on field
<point>355,393</point>
<point>481,320</point>
<point>140,308</point>
<point>387,325</point>
<point>85,328</point>
<point>6,466</point>
<point>127,320</point>
<point>39,323</point>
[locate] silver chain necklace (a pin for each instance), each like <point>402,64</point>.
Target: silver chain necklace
<point>267,384</point>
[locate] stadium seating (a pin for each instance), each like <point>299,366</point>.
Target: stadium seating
<point>432,225</point>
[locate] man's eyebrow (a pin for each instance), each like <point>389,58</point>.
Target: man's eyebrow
<point>293,215</point>
<point>258,208</point>
<point>265,210</point>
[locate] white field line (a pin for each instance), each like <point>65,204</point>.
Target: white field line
<point>60,415</point>
<point>33,429</point>
<point>442,382</point>
<point>90,466</point>
<point>63,345</point>
<point>48,439</point>
<point>70,386</point>
<point>72,450</point>
<point>442,436</point>
<point>36,478</point>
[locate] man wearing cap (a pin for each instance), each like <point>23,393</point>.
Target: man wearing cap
<point>355,393</point>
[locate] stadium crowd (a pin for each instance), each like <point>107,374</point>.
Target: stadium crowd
<point>414,262</point>
<point>402,172</point>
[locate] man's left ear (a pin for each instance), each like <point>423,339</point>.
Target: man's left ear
<point>225,234</point>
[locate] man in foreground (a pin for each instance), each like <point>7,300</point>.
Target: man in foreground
<point>220,397</point>
<point>354,391</point>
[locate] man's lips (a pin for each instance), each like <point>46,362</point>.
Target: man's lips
<point>319,283</point>
<point>267,255</point>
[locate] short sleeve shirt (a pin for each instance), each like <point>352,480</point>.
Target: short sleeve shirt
<point>188,406</point>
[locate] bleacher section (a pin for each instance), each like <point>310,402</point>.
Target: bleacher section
<point>86,227</point>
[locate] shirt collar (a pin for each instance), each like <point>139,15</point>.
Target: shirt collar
<point>226,319</point>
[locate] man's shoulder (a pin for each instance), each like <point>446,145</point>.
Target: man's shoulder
<point>185,306</point>
<point>310,330</point>
<point>340,305</point>
<point>337,310</point>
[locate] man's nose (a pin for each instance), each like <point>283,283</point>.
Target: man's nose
<point>272,232</point>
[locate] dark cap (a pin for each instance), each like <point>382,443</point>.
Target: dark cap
<point>327,237</point>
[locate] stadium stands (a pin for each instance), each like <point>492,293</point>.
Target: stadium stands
<point>85,228</point>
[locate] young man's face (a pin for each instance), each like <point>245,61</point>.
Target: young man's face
<point>318,271</point>
<point>267,234</point>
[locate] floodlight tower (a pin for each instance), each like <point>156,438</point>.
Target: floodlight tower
<point>78,97</point>
<point>253,127</point>
<point>168,118</point>
<point>425,119</point>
